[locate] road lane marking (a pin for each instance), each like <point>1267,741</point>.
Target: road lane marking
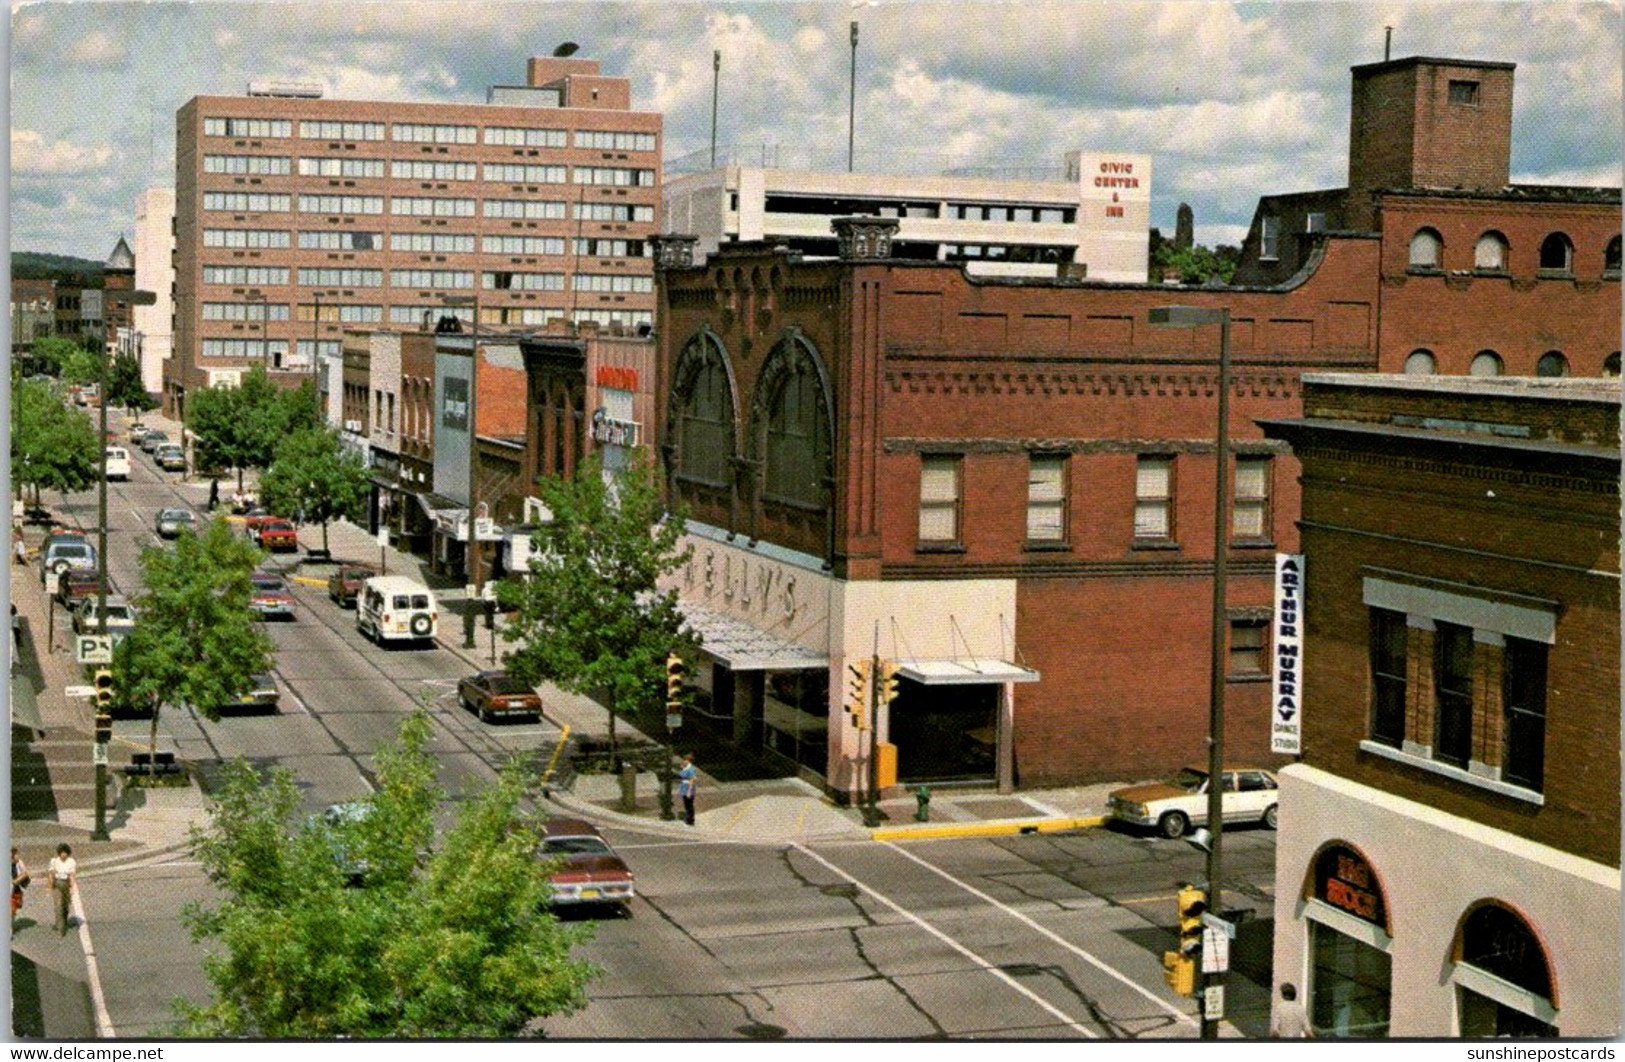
<point>104,1020</point>
<point>1068,945</point>
<point>976,959</point>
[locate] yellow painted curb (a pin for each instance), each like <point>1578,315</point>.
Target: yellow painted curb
<point>998,828</point>
<point>307,580</point>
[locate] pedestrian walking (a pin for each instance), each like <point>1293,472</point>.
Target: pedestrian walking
<point>686,776</point>
<point>1291,1021</point>
<point>19,548</point>
<point>214,494</point>
<point>64,874</point>
<point>19,882</point>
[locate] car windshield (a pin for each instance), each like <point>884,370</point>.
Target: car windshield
<point>575,846</point>
<point>276,525</point>
<point>1189,779</point>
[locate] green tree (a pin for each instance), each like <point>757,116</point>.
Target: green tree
<point>49,352</point>
<point>125,386</point>
<point>242,427</point>
<point>592,618</point>
<point>195,642</point>
<point>52,445</point>
<point>80,366</point>
<point>1195,264</point>
<point>313,473</point>
<point>452,941</point>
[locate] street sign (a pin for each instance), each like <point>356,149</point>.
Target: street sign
<point>93,648</point>
<point>383,536</point>
<point>674,720</point>
<point>1213,1003</point>
<point>79,691</point>
<point>1215,951</point>
<point>99,759</point>
<point>1213,921</point>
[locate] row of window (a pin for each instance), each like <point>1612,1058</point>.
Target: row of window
<point>345,277</point>
<point>942,482</point>
<point>1491,252</point>
<point>409,316</point>
<point>347,240</point>
<point>1422,362</point>
<point>423,133</point>
<point>985,252</point>
<point>417,206</point>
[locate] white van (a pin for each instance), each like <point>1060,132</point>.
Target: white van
<point>395,608</point>
<point>118,463</point>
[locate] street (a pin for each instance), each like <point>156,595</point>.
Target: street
<point>1050,936</point>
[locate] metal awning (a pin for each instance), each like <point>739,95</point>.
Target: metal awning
<point>24,705</point>
<point>968,671</point>
<point>744,647</point>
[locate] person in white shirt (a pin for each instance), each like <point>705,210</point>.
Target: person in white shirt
<point>64,875</point>
<point>1291,1020</point>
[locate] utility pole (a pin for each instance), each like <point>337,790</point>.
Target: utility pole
<point>871,810</point>
<point>716,75</point>
<point>852,102</point>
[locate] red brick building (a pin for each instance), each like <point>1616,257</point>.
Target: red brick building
<point>1478,275</point>
<point>1448,860</point>
<point>1010,482</point>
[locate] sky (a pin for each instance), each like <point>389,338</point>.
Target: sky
<point>1231,100</point>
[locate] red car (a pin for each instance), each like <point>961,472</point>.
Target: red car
<point>271,596</point>
<point>75,587</point>
<point>276,535</point>
<point>589,870</point>
<point>344,585</point>
<point>488,693</point>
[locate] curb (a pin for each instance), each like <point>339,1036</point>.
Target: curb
<point>993,828</point>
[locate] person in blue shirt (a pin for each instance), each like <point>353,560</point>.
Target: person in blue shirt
<point>686,776</point>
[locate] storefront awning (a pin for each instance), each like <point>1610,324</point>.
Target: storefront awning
<point>742,647</point>
<point>25,711</point>
<point>964,672</point>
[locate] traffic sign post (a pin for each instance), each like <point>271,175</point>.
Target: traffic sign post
<point>1213,1003</point>
<point>93,648</point>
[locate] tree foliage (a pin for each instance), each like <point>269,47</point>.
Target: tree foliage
<point>125,386</point>
<point>450,941</point>
<point>1195,264</point>
<point>48,353</point>
<point>53,446</point>
<point>242,427</point>
<point>315,474</point>
<point>195,642</point>
<point>592,617</point>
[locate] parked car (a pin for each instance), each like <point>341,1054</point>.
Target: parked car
<point>152,440</point>
<point>261,696</point>
<point>118,463</point>
<point>488,693</point>
<point>252,521</point>
<point>395,608</point>
<point>75,587</point>
<point>172,521</point>
<point>137,433</point>
<point>67,553</point>
<point>170,458</point>
<point>62,534</point>
<point>1249,795</point>
<point>278,536</point>
<point>271,596</point>
<point>120,618</point>
<point>344,585</point>
<point>589,870</point>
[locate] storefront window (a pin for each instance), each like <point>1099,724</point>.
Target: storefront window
<point>795,717</point>
<point>945,733</point>
<point>1351,985</point>
<point>1502,976</point>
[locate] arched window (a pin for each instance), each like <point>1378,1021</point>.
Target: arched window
<point>1557,253</point>
<point>1610,365</point>
<point>1485,363</point>
<point>702,406</point>
<point>1421,363</point>
<point>791,416</point>
<point>1552,363</point>
<point>1490,253</point>
<point>1610,258</point>
<point>1426,249</point>
<point>1502,976</point>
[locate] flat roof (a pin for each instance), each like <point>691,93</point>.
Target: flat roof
<point>1419,60</point>
<point>1561,388</point>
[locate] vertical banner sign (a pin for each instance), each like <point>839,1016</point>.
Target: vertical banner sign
<point>1286,701</point>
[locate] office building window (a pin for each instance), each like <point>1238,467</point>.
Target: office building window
<point>341,204</point>
<point>417,133</point>
<point>1249,518</point>
<point>432,242</point>
<point>1523,760</point>
<point>317,166</point>
<point>511,137</point>
<point>534,209</point>
<point>522,245</point>
<point>339,240</point>
<point>267,239</point>
<point>341,130</point>
<point>615,141</point>
<point>1046,498</point>
<point>430,170</point>
<point>1452,694</point>
<point>247,127</point>
<point>319,277</point>
<point>1464,93</point>
<point>1388,633</point>
<point>1269,237</point>
<point>1247,647</point>
<point>429,207</point>
<point>260,165</point>
<point>519,173</point>
<point>939,499</point>
<point>1154,498</point>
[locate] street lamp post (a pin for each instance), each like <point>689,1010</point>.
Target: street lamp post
<point>472,553</point>
<point>852,101</point>
<point>1195,317</point>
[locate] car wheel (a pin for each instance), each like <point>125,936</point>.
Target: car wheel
<point>58,567</point>
<point>1271,813</point>
<point>1174,824</point>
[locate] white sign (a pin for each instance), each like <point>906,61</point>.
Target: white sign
<point>383,536</point>
<point>79,691</point>
<point>1213,1002</point>
<point>99,757</point>
<point>1215,950</point>
<point>1286,689</point>
<point>93,648</point>
<point>1213,921</point>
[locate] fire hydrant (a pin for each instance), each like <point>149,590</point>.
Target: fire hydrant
<point>922,797</point>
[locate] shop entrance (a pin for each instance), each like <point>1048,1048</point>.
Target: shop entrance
<point>945,733</point>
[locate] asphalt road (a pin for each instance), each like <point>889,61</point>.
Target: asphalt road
<point>1051,936</point>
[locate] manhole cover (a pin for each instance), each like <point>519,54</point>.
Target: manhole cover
<point>757,1030</point>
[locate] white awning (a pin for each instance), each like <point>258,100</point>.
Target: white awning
<point>744,647</point>
<point>964,672</point>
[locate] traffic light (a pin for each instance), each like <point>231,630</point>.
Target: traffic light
<point>104,728</point>
<point>1179,967</point>
<point>888,681</point>
<point>103,680</point>
<point>857,701</point>
<point>675,674</point>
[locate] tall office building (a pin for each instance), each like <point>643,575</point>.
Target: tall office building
<point>298,216</point>
<point>155,272</point>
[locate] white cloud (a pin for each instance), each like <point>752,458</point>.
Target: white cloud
<point>31,154</point>
<point>98,48</point>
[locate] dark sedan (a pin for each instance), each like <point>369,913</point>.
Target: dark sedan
<point>488,693</point>
<point>589,871</point>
